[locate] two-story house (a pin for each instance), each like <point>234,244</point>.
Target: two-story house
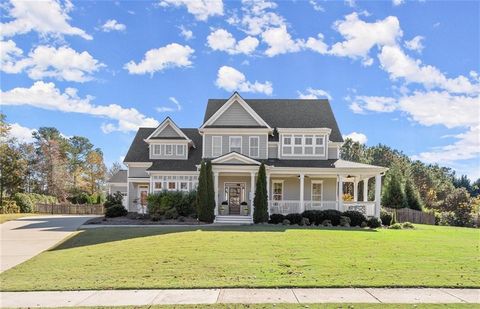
<point>298,140</point>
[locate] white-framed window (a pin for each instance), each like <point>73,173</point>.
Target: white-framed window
<point>172,186</point>
<point>254,143</point>
<point>156,149</point>
<point>277,190</point>
<point>303,145</point>
<point>216,146</point>
<point>168,150</point>
<point>180,150</point>
<point>236,144</point>
<point>184,186</point>
<point>317,190</point>
<point>157,186</point>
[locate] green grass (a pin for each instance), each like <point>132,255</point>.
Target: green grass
<point>254,256</point>
<point>311,306</point>
<point>8,217</point>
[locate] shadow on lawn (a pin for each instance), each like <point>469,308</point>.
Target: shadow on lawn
<point>96,236</point>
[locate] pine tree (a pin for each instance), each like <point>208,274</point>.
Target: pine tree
<point>260,202</point>
<point>210,193</point>
<point>412,197</point>
<point>202,191</point>
<point>393,194</point>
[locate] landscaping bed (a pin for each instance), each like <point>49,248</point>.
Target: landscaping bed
<point>143,220</point>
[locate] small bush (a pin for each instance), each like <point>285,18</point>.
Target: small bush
<point>276,218</point>
<point>332,215</point>
<point>344,221</point>
<point>294,218</point>
<point>407,225</point>
<point>183,203</point>
<point>171,214</point>
<point>326,223</point>
<point>374,223</point>
<point>364,224</point>
<point>312,216</point>
<point>356,217</point>
<point>116,211</point>
<point>24,202</point>
<point>386,217</point>
<point>9,207</point>
<point>286,222</point>
<point>395,226</point>
<point>305,222</point>
<point>113,199</point>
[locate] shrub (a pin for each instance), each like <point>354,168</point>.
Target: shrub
<point>24,202</point>
<point>260,201</point>
<point>364,224</point>
<point>305,221</point>
<point>286,222</point>
<point>276,218</point>
<point>407,225</point>
<point>171,213</point>
<point>187,206</point>
<point>115,211</point>
<point>312,216</point>
<point>446,218</point>
<point>294,218</point>
<point>386,217</point>
<point>344,221</point>
<point>332,215</point>
<point>326,223</point>
<point>374,223</point>
<point>177,202</point>
<point>9,207</point>
<point>356,217</point>
<point>113,199</point>
<point>395,226</point>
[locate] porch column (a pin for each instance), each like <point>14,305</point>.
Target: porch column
<point>268,194</point>
<point>355,189</point>
<point>378,189</point>
<point>302,180</point>
<point>365,190</point>
<point>252,191</point>
<point>340,193</point>
<point>215,186</point>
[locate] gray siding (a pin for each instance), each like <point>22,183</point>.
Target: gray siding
<point>291,188</point>
<point>245,144</point>
<point>236,115</point>
<point>168,131</point>
<point>137,172</point>
<point>332,153</point>
<point>115,188</point>
<point>273,151</point>
<point>174,155</point>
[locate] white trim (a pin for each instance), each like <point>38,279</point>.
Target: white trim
<point>235,131</point>
<point>182,147</point>
<point>154,148</point>
<point>230,143</point>
<point>118,184</point>
<point>303,136</point>
<point>203,144</point>
<point>250,146</point>
<point>236,156</point>
<point>213,145</point>
<point>245,198</point>
<point>312,182</point>
<point>235,98</point>
<point>161,126</point>
<point>281,181</point>
<point>138,164</point>
<point>325,131</point>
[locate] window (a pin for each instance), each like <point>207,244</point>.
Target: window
<point>216,146</point>
<point>254,147</point>
<point>184,186</point>
<point>317,190</point>
<point>180,150</point>
<point>277,194</point>
<point>156,149</point>
<point>236,144</point>
<point>168,150</point>
<point>172,185</point>
<point>158,186</point>
<point>303,145</point>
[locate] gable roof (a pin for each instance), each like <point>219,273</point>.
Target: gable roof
<point>234,157</point>
<point>118,177</point>
<point>288,113</point>
<point>167,122</point>
<point>138,152</point>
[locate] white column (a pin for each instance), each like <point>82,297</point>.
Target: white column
<point>355,189</point>
<point>268,194</point>
<point>340,193</point>
<point>302,189</point>
<point>378,189</point>
<point>215,188</point>
<point>365,190</point>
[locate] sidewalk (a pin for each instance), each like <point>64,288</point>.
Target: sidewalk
<point>244,296</point>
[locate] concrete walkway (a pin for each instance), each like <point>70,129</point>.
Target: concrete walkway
<point>23,238</point>
<point>244,296</point>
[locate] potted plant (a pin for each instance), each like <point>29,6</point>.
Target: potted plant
<point>223,208</point>
<point>244,207</point>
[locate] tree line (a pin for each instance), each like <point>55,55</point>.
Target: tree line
<point>414,184</point>
<point>53,164</point>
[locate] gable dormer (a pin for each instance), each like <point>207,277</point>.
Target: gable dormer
<point>168,141</point>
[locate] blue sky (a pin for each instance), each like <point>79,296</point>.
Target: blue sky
<point>401,73</point>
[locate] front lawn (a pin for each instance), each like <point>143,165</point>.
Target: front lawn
<point>295,306</point>
<point>253,256</point>
<point>8,217</point>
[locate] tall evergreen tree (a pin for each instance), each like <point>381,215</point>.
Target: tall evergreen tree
<point>260,202</point>
<point>210,192</point>
<point>393,193</point>
<point>411,195</point>
<point>205,208</point>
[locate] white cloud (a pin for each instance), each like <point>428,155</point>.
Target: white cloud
<point>169,56</point>
<point>356,137</point>
<point>361,37</point>
<point>317,7</point>
<point>186,33</point>
<point>223,40</point>
<point>398,2</point>
<point>201,9</point>
<point>399,65</point>
<point>317,45</point>
<point>415,43</point>
<point>9,55</point>
<point>48,18</point>
<point>256,18</point>
<point>231,79</point>
<point>113,25</point>
<point>163,109</point>
<point>61,63</point>
<point>280,41</point>
<point>20,133</point>
<point>361,104</point>
<point>48,96</point>
<point>311,93</point>
<point>351,3</point>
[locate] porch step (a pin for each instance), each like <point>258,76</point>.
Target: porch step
<point>234,219</point>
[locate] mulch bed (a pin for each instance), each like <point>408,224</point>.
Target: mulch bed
<point>129,220</point>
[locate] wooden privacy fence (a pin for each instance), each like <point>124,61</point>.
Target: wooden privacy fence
<point>72,209</point>
<point>413,216</point>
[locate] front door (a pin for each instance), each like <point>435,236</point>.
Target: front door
<point>234,196</point>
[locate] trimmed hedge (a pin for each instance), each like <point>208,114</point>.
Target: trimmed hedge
<point>294,218</point>
<point>115,211</point>
<point>276,218</point>
<point>386,217</point>
<point>318,216</point>
<point>374,223</point>
<point>356,217</point>
<point>27,201</point>
<point>9,207</point>
<point>172,204</point>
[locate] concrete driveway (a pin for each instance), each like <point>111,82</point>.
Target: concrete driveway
<point>24,238</point>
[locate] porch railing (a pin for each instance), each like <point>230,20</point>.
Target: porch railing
<point>293,206</point>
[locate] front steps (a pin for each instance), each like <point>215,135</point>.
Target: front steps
<point>233,220</point>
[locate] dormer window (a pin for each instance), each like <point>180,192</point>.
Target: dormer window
<point>180,150</point>
<point>156,150</point>
<point>168,150</point>
<point>303,145</point>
